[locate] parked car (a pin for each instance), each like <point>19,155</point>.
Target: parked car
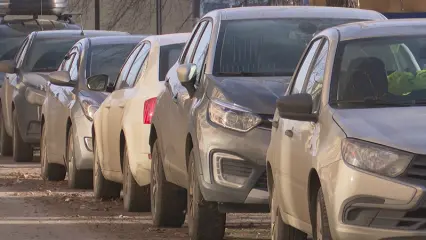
<point>121,126</point>
<point>14,31</point>
<point>211,126</point>
<point>67,111</point>
<point>39,54</point>
<point>347,154</point>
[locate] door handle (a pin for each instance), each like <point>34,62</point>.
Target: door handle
<point>275,123</point>
<point>289,133</point>
<point>56,94</point>
<point>121,106</point>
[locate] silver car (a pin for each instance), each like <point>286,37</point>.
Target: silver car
<point>67,111</point>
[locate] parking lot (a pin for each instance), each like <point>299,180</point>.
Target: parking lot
<point>33,209</point>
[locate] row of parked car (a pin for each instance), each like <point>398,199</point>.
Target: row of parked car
<point>313,114</point>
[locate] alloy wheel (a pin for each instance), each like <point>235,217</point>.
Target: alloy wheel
<point>154,185</point>
<point>70,157</point>
<point>319,222</point>
<point>191,205</point>
<point>43,153</point>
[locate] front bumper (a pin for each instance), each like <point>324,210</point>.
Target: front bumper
<point>83,149</point>
<point>364,206</point>
<point>219,149</point>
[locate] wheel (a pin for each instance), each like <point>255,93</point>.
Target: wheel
<point>321,228</point>
<point>49,171</point>
<point>168,201</point>
<point>22,151</point>
<point>280,230</point>
<point>205,222</point>
<point>103,188</point>
<point>81,179</point>
<point>135,197</point>
<point>6,142</point>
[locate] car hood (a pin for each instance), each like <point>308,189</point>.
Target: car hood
<point>400,127</point>
<point>256,93</point>
<point>98,97</point>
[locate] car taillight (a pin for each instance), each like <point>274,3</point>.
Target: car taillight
<point>148,110</point>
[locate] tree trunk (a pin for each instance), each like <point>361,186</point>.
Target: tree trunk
<point>342,3</point>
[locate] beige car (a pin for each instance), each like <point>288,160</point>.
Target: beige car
<point>347,158</point>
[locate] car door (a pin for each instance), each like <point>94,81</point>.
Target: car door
<point>118,101</point>
<point>182,105</point>
<point>10,82</point>
<point>293,160</point>
<point>168,126</point>
<point>54,112</point>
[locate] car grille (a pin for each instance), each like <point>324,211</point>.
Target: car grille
<point>262,182</point>
<point>417,170</point>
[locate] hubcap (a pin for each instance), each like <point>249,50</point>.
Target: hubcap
<point>43,152</point>
<point>126,176</point>
<point>319,222</point>
<point>71,156</point>
<point>191,205</point>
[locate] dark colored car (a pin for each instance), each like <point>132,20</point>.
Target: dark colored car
<point>39,54</point>
<point>212,124</point>
<point>67,112</point>
<point>13,33</point>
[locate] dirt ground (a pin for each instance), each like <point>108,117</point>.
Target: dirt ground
<point>31,208</point>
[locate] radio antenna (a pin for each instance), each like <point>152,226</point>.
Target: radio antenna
<point>41,7</point>
<point>82,25</point>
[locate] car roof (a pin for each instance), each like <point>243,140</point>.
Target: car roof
<point>23,27</point>
<point>77,33</point>
<point>168,39</point>
<point>265,12</point>
<point>105,40</point>
<point>388,28</point>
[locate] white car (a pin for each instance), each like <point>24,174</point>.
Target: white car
<point>122,124</point>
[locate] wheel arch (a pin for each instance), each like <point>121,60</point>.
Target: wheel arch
<point>122,145</point>
<point>188,147</point>
<point>314,185</point>
<point>68,129</point>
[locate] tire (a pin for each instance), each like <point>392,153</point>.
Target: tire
<point>78,179</point>
<point>22,151</point>
<point>168,201</point>
<point>135,197</point>
<point>321,225</point>
<point>205,222</point>
<point>49,171</point>
<point>280,230</point>
<point>6,142</point>
<point>103,188</point>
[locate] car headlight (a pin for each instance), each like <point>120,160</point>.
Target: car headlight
<point>232,116</point>
<point>375,158</point>
<point>89,107</point>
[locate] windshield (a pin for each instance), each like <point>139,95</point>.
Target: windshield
<point>46,54</point>
<point>265,47</point>
<point>380,72</point>
<point>108,59</point>
<point>9,47</point>
<point>169,54</point>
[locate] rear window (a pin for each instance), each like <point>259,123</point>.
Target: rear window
<point>46,54</point>
<point>266,47</point>
<point>108,59</point>
<point>169,54</point>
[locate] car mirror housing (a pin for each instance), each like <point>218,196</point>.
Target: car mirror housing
<point>187,73</point>
<point>8,66</point>
<point>98,83</point>
<point>61,78</point>
<point>297,107</point>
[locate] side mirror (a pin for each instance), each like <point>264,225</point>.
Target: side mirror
<point>61,78</point>
<point>187,73</point>
<point>8,66</point>
<point>35,96</point>
<point>98,82</point>
<point>297,107</point>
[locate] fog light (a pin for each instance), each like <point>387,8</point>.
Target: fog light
<point>89,144</point>
<point>230,171</point>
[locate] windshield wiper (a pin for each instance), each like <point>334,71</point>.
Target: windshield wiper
<point>255,74</point>
<point>375,102</point>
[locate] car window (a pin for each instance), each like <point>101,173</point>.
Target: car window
<point>108,59</point>
<point>127,65</point>
<point>169,54</point>
<point>10,47</point>
<point>75,65</point>
<point>46,54</point>
<point>66,63</point>
<point>21,48</point>
<point>136,67</point>
<point>190,49</point>
<point>316,77</point>
<point>201,51</point>
<point>265,47</point>
<point>304,68</point>
<point>389,69</point>
<point>22,54</point>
